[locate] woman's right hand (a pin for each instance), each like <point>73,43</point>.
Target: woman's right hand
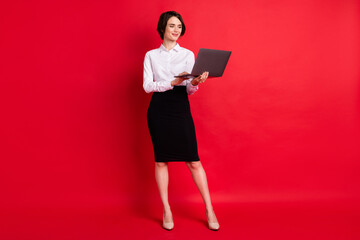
<point>179,80</point>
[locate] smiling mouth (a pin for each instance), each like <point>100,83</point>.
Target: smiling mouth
<point>175,35</point>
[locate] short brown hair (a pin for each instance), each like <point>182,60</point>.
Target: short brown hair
<point>164,18</point>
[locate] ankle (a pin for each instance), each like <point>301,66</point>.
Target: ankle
<point>166,209</point>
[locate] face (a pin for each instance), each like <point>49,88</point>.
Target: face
<point>173,29</point>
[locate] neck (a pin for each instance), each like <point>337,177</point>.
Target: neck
<point>169,44</point>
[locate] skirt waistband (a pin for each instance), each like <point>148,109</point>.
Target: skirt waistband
<point>176,90</point>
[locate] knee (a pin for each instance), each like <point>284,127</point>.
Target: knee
<point>161,164</point>
<point>194,165</point>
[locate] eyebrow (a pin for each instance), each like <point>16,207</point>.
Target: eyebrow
<point>171,24</point>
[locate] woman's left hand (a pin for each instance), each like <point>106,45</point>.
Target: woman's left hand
<point>200,79</point>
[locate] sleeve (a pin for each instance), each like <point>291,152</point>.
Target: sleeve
<point>190,61</point>
<point>148,79</point>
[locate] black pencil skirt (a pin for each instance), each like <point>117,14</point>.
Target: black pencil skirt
<point>171,126</point>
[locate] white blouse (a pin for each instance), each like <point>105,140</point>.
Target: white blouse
<point>161,65</point>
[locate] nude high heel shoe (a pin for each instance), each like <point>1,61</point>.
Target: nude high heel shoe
<point>212,225</point>
<point>169,225</point>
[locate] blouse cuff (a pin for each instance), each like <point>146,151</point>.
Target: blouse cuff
<point>191,88</point>
<point>169,87</point>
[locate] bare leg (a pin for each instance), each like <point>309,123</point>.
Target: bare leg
<point>162,180</point>
<point>199,176</point>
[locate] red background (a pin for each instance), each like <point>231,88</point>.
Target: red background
<point>281,125</point>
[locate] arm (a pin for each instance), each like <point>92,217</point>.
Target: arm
<point>190,88</point>
<point>148,83</point>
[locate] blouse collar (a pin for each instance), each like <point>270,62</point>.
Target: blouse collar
<point>176,48</point>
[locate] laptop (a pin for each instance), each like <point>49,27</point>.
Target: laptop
<point>210,60</point>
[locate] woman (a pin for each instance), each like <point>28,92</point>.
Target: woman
<point>169,118</point>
